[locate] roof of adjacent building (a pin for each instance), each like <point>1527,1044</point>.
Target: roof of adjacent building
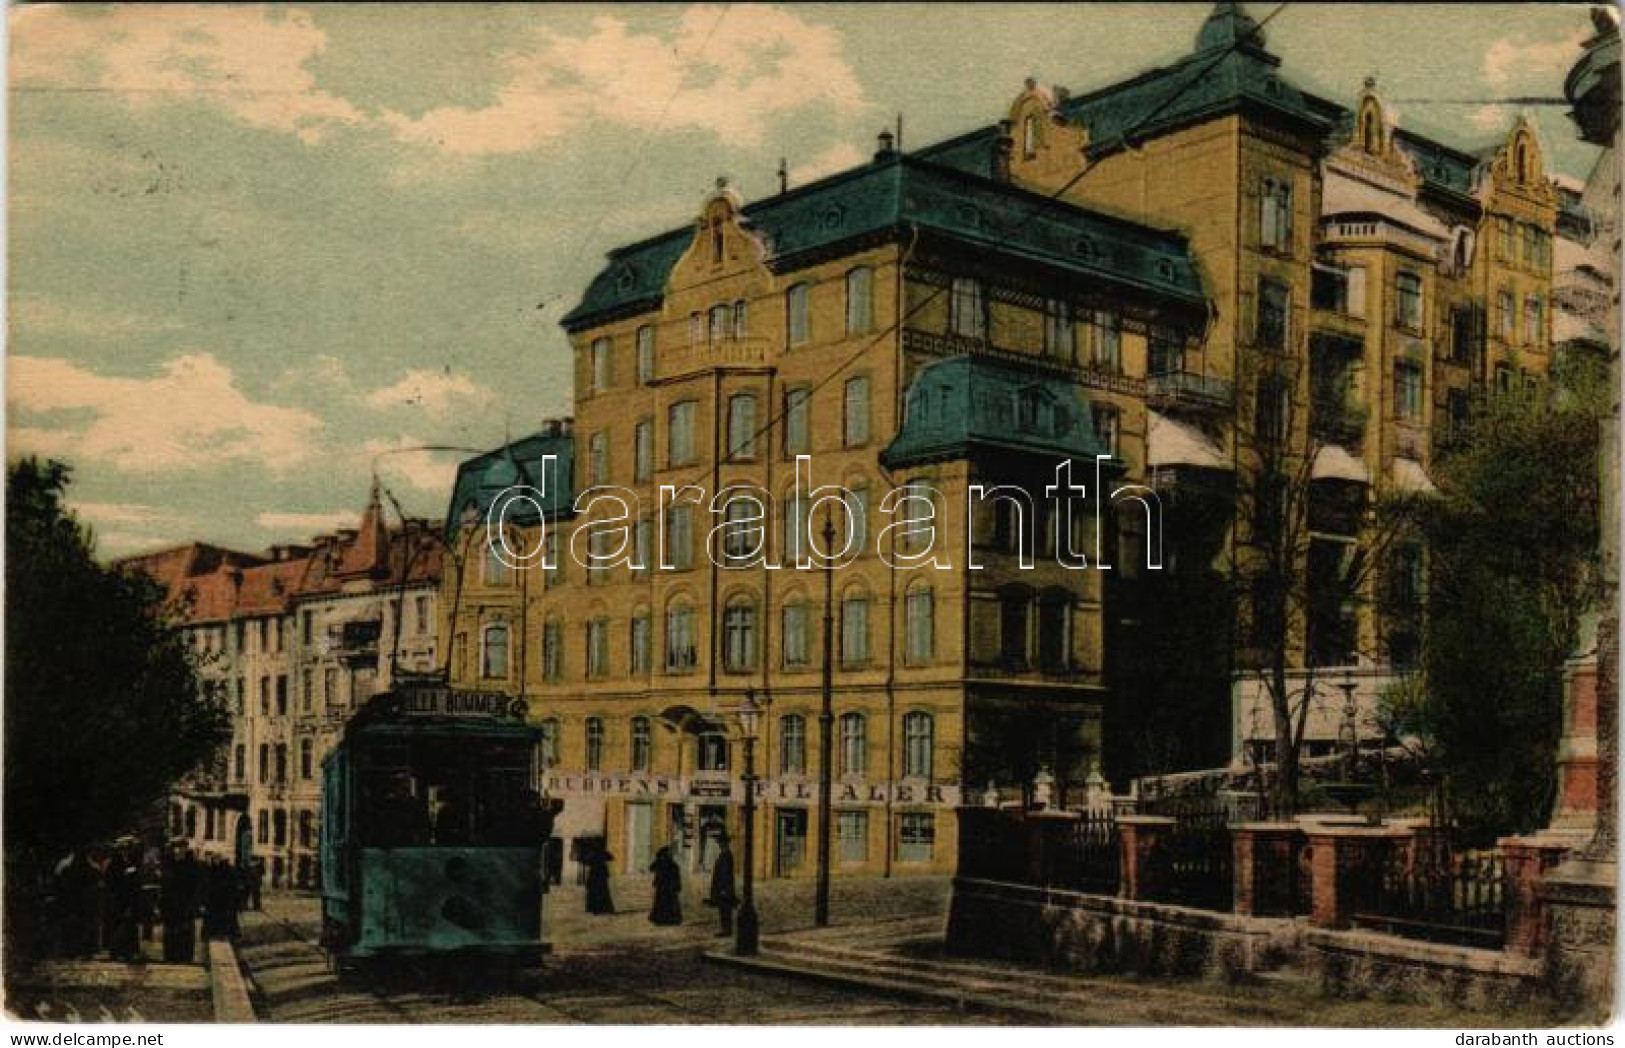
<point>523,462</point>
<point>895,192</point>
<point>962,404</point>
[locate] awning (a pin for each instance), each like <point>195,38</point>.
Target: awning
<point>1333,462</point>
<point>1170,443</point>
<point>1341,194</point>
<point>1410,477</point>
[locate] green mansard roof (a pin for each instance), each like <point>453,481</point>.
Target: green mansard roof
<point>959,405</point>
<point>482,478</point>
<point>895,193</point>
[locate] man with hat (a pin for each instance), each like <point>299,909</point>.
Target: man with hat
<point>722,885</point>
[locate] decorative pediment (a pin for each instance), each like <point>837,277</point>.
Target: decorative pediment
<point>1041,141</point>
<point>1371,147</point>
<point>723,244</point>
<point>1519,166</point>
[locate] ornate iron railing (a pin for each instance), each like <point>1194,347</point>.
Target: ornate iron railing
<point>1430,891</point>
<point>1199,856</point>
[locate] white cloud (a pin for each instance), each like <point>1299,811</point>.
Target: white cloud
<point>305,523</point>
<point>102,513</point>
<point>837,157</point>
<point>724,70</point>
<point>191,415</point>
<point>438,393</point>
<point>1512,60</point>
<point>249,61</point>
<point>431,472</point>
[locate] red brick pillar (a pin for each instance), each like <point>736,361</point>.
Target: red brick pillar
<point>1141,837</point>
<point>1346,867</point>
<point>1527,859</point>
<point>1265,852</point>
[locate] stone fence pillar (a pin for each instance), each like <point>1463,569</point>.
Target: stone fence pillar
<point>1141,839</point>
<point>1266,867</point>
<point>1346,868</point>
<point>1527,859</point>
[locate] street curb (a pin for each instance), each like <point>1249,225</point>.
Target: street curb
<point>962,1000</point>
<point>227,987</point>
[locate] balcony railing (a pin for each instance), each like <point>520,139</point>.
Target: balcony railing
<point>1189,387</point>
<point>680,360</point>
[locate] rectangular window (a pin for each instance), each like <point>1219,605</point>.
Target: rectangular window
<point>855,414</point>
<point>916,836</point>
<point>798,319</point>
<point>855,631</point>
<point>680,433</point>
<point>1459,412</point>
<point>595,744</point>
<point>1408,390</point>
<point>646,354</point>
<point>1271,409</point>
<point>860,301</point>
<point>1408,300</point>
<point>795,634</point>
<point>852,828</point>
<point>793,745</point>
<point>1274,305</point>
<point>552,651</point>
<point>1531,249</point>
<point>680,653</point>
<point>640,644</point>
<point>696,328</point>
<point>642,744</point>
<point>680,536</point>
<point>741,320</point>
<point>1508,247</point>
<point>600,365</point>
<point>742,426</point>
<point>1506,308</point>
<point>967,311</point>
<point>496,570</point>
<point>1534,320</point>
<point>857,504</point>
<point>921,626</point>
<point>330,689</point>
<point>307,690</point>
<point>1059,333</point>
<point>422,609</point>
<point>1107,337</point>
<point>1339,290</point>
<point>797,405</point>
<point>1275,214</point>
<point>739,637</point>
<point>598,648</point>
<point>598,459</point>
<point>642,541</point>
<point>1106,422</point>
<point>643,450</point>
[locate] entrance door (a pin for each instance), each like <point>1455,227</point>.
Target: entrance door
<point>677,834</point>
<point>245,841</point>
<point>791,839</point>
<point>713,824</point>
<point>639,824</point>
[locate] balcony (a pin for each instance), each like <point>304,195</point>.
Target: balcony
<point>1366,230</point>
<point>1190,389</point>
<point>355,640</point>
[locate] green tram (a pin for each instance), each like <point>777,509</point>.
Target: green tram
<point>432,830</point>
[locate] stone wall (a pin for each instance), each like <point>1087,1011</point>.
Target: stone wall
<point>1096,933</point>
<point>1366,964</point>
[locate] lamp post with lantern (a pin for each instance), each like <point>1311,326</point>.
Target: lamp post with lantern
<point>746,930</point>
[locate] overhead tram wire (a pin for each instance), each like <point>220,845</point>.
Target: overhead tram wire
<point>1128,136</point>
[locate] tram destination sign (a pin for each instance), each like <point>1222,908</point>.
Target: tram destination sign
<point>437,700</point>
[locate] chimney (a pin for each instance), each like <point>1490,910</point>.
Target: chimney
<point>885,146</point>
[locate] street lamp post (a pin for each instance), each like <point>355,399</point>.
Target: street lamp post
<point>747,930</point>
<point>826,726</point>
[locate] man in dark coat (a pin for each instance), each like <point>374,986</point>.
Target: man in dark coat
<point>78,908</point>
<point>722,885</point>
<point>124,902</point>
<point>177,904</point>
<point>222,897</point>
<point>598,897</point>
<point>668,905</point>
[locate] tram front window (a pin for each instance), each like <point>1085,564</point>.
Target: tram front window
<point>453,796</point>
<point>393,814</point>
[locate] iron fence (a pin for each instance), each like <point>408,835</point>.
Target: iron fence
<point>1199,857</point>
<point>1076,851</point>
<point>1433,892</point>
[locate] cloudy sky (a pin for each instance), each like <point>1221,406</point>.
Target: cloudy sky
<point>255,249</point>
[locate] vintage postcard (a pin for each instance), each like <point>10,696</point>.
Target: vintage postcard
<point>777,514</point>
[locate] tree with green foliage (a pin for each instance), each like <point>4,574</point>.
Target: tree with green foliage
<point>1512,540</point>
<point>103,705</point>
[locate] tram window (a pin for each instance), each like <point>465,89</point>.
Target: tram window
<point>393,814</point>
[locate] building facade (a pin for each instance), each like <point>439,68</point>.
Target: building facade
<point>293,641</point>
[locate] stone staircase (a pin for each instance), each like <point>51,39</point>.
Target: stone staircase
<point>906,957</point>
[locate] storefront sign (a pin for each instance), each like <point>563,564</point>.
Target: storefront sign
<point>769,791</point>
<point>439,701</point>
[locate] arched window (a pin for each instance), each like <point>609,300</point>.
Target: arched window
<point>494,651</point>
<point>793,633</point>
<point>549,742</point>
<point>920,628</point>
<point>239,763</point>
<point>713,751</point>
<point>598,647</point>
<point>721,322</point>
<point>646,354</point>
<point>741,319</point>
<point>855,630</point>
<point>595,743</point>
<point>919,733</point>
<point>1029,136</point>
<point>640,642</point>
<point>1522,164</point>
<point>1371,128</point>
<point>854,744</point>
<point>642,744</point>
<point>739,636</point>
<point>793,744</point>
<point>742,426</point>
<point>860,300</point>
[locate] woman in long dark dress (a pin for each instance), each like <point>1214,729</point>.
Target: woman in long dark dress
<point>668,907</point>
<point>598,897</point>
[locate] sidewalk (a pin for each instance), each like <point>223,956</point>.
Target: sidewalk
<point>100,990</point>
